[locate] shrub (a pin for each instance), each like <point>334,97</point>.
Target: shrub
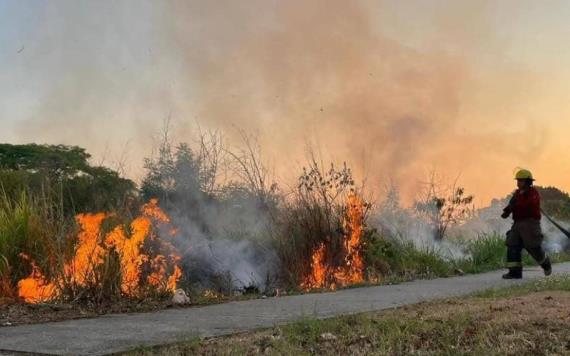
<point>311,227</point>
<point>443,212</point>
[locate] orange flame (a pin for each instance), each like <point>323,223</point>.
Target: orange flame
<point>140,255</point>
<point>89,252</point>
<point>319,270</point>
<point>35,288</point>
<point>351,271</point>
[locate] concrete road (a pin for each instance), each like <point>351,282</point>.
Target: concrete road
<point>121,332</point>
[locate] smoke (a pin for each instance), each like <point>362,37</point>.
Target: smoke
<point>225,259</point>
<point>393,88</point>
<point>395,221</point>
<point>361,78</point>
<point>488,221</point>
<point>288,71</point>
<point>407,224</point>
<point>221,227</point>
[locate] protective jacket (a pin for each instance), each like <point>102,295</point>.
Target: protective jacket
<point>524,205</point>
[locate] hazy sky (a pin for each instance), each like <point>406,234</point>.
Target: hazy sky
<point>396,88</point>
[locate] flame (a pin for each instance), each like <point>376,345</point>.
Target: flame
<point>353,271</point>
<point>319,270</point>
<point>145,259</point>
<point>35,288</point>
<point>89,252</point>
<point>323,275</point>
<point>174,277</point>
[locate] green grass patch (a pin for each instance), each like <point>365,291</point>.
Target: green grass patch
<point>553,283</point>
<point>486,253</point>
<point>400,260</point>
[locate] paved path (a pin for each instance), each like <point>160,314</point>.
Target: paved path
<point>120,332</point>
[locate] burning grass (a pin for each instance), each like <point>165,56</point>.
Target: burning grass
<point>323,272</point>
<point>317,238</point>
<point>105,259</point>
<point>30,231</point>
<point>320,231</point>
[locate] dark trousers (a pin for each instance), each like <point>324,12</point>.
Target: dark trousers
<point>514,255</point>
<point>525,234</point>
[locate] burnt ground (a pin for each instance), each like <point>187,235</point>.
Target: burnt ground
<point>13,313</point>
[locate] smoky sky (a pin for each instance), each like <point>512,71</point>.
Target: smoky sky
<point>358,79</point>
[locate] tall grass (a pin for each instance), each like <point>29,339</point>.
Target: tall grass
<point>402,259</point>
<point>301,227</point>
<point>35,226</point>
<point>29,226</point>
<point>34,231</point>
<point>488,252</point>
<point>399,258</point>
<point>313,218</point>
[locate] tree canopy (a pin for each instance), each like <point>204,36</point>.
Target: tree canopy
<point>55,160</point>
<point>555,202</point>
<point>65,172</point>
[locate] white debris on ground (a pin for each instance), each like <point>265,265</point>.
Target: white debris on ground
<point>180,297</point>
<point>328,336</point>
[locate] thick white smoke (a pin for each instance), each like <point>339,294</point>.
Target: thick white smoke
<point>396,221</point>
<point>488,221</point>
<point>234,248</point>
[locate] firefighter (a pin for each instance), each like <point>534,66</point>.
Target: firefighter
<point>526,231</point>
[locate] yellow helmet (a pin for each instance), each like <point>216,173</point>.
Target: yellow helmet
<point>524,174</point>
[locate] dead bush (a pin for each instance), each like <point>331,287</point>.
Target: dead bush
<point>314,216</point>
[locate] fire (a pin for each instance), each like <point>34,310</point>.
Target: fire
<point>89,252</point>
<point>145,259</point>
<point>353,271</point>
<point>35,288</point>
<point>319,270</point>
<point>322,274</point>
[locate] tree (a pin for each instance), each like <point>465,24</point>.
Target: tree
<point>52,160</point>
<point>64,172</point>
<point>253,176</point>
<point>444,207</point>
<point>555,202</point>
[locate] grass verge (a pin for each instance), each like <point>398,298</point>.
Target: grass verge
<point>399,259</point>
<point>530,319</point>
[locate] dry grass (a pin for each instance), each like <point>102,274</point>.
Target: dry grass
<point>32,226</point>
<point>536,323</point>
<point>314,217</point>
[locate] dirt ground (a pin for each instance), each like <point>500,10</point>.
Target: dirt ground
<point>12,314</point>
<point>18,313</point>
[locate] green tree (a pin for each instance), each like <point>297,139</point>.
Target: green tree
<point>555,202</point>
<point>63,172</point>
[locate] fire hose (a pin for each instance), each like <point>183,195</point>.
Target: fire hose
<point>563,230</point>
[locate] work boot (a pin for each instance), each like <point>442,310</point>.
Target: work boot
<point>547,267</point>
<point>514,273</point>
